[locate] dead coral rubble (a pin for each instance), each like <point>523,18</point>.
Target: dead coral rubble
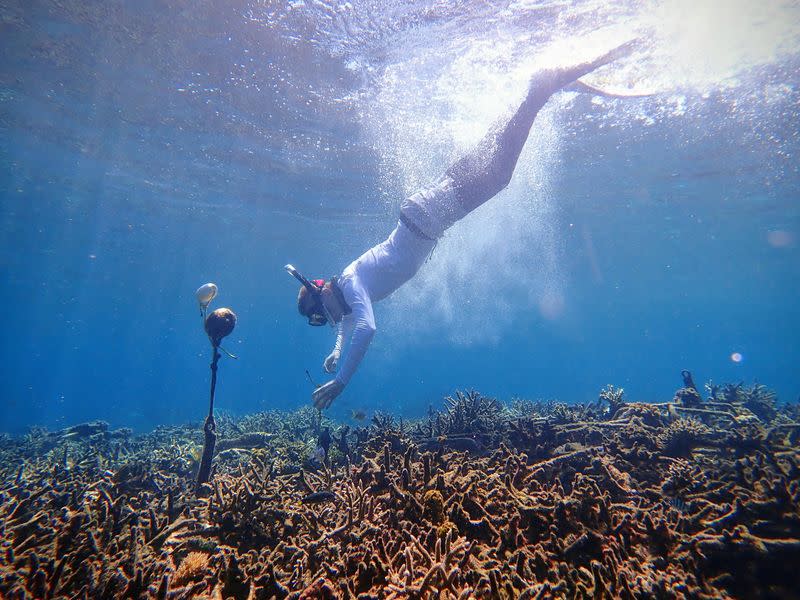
<point>541,500</point>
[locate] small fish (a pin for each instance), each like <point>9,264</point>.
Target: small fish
<point>358,415</point>
<point>317,497</point>
<point>319,455</point>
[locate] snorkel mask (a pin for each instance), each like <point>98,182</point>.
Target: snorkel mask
<point>318,315</point>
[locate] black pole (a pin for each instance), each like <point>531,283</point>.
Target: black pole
<point>210,427</point>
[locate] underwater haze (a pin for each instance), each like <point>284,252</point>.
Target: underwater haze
<point>150,147</point>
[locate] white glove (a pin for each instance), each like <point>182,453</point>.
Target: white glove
<point>331,362</point>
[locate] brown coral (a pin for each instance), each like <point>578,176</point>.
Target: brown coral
<point>433,506</point>
<point>192,568</point>
<point>682,436</point>
<point>582,507</point>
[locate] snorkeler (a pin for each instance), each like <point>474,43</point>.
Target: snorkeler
<point>478,176</point>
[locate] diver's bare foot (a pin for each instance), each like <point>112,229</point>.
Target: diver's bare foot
<point>620,51</point>
<point>555,78</point>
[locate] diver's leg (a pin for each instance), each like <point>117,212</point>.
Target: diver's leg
<point>487,168</point>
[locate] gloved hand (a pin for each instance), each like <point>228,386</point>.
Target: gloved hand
<point>331,362</point>
<point>325,394</point>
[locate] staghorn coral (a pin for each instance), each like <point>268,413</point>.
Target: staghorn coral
<point>467,415</point>
<point>614,397</point>
<point>585,507</point>
<point>757,399</point>
<point>650,415</point>
<point>469,412</point>
<point>433,506</point>
<point>761,401</point>
<point>384,429</point>
<point>682,436</point>
<point>192,568</point>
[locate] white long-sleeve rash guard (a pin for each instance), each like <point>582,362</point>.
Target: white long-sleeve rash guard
<point>371,277</point>
<point>385,267</point>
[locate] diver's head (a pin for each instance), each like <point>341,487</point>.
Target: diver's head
<point>310,299</point>
<point>310,303</point>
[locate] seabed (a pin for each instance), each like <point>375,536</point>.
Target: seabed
<point>696,497</point>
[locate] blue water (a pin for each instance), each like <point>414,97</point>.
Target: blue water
<point>148,148</point>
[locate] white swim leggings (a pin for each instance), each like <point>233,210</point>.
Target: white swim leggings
<point>486,169</point>
<point>479,175</point>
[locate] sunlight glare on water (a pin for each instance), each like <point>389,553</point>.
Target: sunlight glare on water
<point>705,44</point>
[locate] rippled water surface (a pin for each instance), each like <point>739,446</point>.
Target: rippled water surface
<point>150,147</point>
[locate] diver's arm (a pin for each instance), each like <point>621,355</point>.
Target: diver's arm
<point>337,348</point>
<point>358,330</point>
<point>359,326</point>
<point>363,330</point>
<point>332,360</point>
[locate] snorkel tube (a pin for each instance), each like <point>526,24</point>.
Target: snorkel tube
<point>302,279</point>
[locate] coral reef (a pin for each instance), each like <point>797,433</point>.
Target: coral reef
<point>682,436</point>
<point>477,500</point>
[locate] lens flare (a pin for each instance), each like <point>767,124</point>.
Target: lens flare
<point>737,357</point>
<point>778,238</point>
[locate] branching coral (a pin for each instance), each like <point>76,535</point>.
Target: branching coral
<point>192,568</point>
<point>758,399</point>
<point>614,397</point>
<point>561,502</point>
<point>682,436</point>
<point>467,414</point>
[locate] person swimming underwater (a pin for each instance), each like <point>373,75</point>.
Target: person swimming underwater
<point>347,300</point>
